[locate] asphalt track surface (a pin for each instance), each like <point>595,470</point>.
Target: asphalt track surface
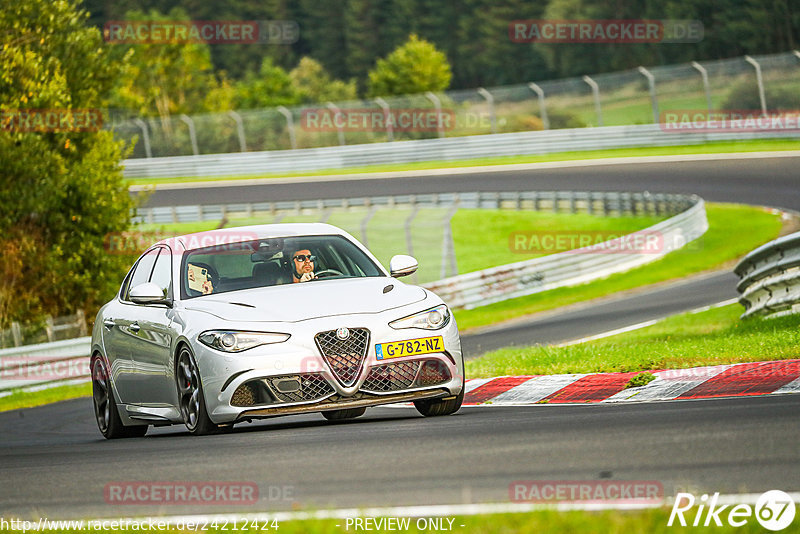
<point>54,462</point>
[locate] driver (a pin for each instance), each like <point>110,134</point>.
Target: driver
<point>303,266</point>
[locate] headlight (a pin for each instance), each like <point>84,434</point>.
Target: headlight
<point>432,319</point>
<point>232,341</point>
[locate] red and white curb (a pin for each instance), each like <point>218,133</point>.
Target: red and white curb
<point>740,379</point>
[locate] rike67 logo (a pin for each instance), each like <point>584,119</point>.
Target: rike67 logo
<point>774,510</point>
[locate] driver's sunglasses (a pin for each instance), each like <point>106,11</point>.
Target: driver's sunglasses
<point>303,257</point>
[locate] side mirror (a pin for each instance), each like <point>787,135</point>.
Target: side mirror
<point>402,265</point>
<point>148,293</point>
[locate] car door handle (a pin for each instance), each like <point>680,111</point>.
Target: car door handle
<point>109,323</point>
<point>135,327</point>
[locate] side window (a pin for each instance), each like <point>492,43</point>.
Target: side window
<point>162,272</point>
<point>143,270</point>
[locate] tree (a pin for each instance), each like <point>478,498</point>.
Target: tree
<point>61,190</point>
<point>314,85</point>
<point>414,67</point>
<point>167,79</point>
<point>269,88</point>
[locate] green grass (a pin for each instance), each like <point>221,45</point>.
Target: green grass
<point>22,399</point>
<point>651,521</point>
<point>752,227</point>
<point>713,337</point>
<point>481,237</point>
<point>722,147</point>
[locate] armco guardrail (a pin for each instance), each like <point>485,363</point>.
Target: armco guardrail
<point>45,363</point>
<point>440,149</point>
<point>770,278</point>
<point>567,268</point>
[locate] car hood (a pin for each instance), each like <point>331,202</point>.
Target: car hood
<point>309,300</point>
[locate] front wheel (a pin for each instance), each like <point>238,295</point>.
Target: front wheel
<point>190,396</point>
<point>348,413</point>
<point>434,407</point>
<point>105,407</point>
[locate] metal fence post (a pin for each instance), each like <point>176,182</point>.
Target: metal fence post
<point>596,93</point>
<point>239,130</point>
<point>490,102</point>
<point>387,116</point>
<point>437,104</point>
<point>336,111</point>
<point>289,125</point>
<point>409,240</point>
<point>542,108</point>
<point>145,137</point>
<point>651,81</point>
<point>16,333</point>
<point>706,86</point>
<point>365,223</point>
<point>192,134</point>
<point>760,82</point>
<point>448,247</point>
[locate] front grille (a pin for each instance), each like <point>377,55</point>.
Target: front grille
<point>391,376</point>
<point>344,357</point>
<point>312,387</point>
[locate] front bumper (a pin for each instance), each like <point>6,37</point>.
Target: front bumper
<point>263,382</point>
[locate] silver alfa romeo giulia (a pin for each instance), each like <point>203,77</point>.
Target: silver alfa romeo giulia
<point>231,325</point>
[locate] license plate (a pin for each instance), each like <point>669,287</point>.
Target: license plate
<point>411,347</point>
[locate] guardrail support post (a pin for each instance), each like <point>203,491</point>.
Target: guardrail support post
<point>596,93</point>
<point>145,137</point>
<point>336,111</point>
<point>192,134</point>
<point>760,81</point>
<point>651,81</point>
<point>706,86</point>
<point>387,117</point>
<point>289,125</point>
<point>239,130</point>
<point>542,108</point>
<point>490,102</point>
<point>437,104</point>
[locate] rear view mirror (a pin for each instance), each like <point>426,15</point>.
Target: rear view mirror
<point>402,265</point>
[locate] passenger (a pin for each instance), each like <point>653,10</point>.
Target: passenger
<point>200,279</point>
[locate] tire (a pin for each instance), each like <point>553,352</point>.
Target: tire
<point>437,407</point>
<point>191,400</point>
<point>347,413</point>
<point>105,407</point>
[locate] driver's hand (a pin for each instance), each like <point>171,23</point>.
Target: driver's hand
<point>307,276</point>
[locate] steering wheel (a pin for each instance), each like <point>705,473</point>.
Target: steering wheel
<point>332,272</point>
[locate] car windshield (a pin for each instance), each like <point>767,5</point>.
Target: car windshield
<point>270,262</point>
